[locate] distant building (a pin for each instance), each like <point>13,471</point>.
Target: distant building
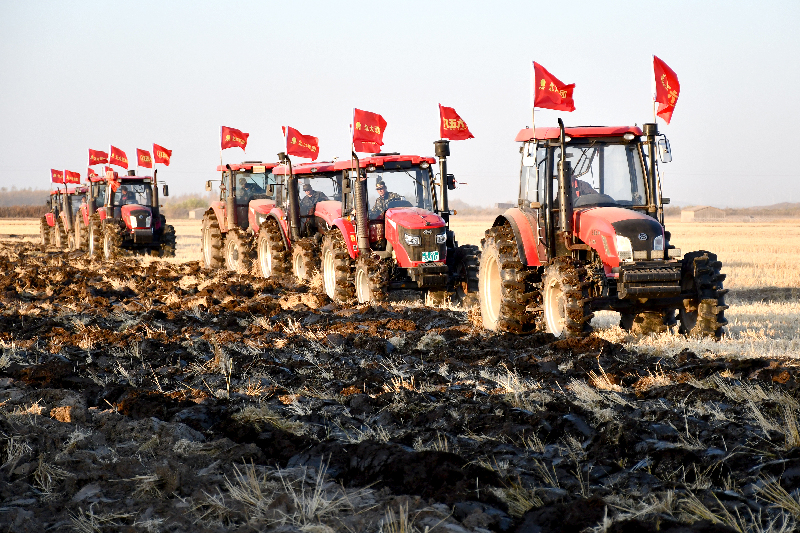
<point>197,213</point>
<point>702,213</point>
<point>504,206</point>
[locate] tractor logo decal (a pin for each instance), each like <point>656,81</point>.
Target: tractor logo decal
<point>643,236</point>
<point>427,232</point>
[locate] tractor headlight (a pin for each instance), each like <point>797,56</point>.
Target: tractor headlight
<point>441,238</point>
<point>624,248</point>
<point>147,221</point>
<point>134,223</point>
<point>658,243</point>
<point>412,240</point>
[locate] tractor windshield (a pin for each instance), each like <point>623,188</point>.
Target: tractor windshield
<point>410,187</point>
<point>134,193</point>
<point>99,192</point>
<point>77,200</point>
<point>605,174</point>
<point>253,186</point>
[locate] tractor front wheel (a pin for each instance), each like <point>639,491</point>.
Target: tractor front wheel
<point>270,250</point>
<point>95,237</point>
<point>45,232</point>
<point>337,268</point>
<point>81,235</point>
<point>371,280</point>
<point>112,242</point>
<point>703,313</point>
<point>238,254</point>
<point>304,260</point>
<point>211,242</point>
<point>466,267</point>
<point>565,302</point>
<point>60,235</point>
<point>168,242</point>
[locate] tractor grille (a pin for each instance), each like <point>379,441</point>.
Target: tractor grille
<point>142,217</point>
<point>427,243</point>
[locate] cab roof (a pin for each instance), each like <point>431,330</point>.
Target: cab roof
<point>378,160</point>
<point>70,190</point>
<point>528,134</point>
<point>246,165</point>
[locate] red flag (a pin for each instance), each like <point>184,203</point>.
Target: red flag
<point>56,176</point>
<point>233,138</point>
<point>117,157</point>
<point>72,177</point>
<point>667,89</point>
<point>368,128</point>
<point>451,126</point>
<point>549,92</point>
<point>143,158</point>
<point>161,154</point>
<point>299,144</point>
<point>96,157</point>
<point>91,173</point>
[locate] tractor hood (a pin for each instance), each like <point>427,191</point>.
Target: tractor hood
<point>262,207</point>
<point>137,216</point>
<point>614,230</point>
<point>328,210</point>
<point>413,218</point>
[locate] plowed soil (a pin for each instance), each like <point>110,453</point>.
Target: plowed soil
<point>158,396</point>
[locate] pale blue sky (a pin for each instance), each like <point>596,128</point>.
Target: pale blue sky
<point>79,75</point>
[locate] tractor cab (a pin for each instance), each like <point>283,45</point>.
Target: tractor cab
<point>317,196</point>
<point>247,190</point>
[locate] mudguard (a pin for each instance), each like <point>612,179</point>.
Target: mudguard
<point>348,234</point>
<point>526,233</point>
<point>103,213</point>
<point>83,213</point>
<point>219,210</point>
<point>329,211</point>
<point>258,207</point>
<point>50,218</point>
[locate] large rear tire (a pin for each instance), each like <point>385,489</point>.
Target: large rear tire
<point>466,268</point>
<point>112,242</point>
<point>211,242</point>
<point>168,242</point>
<point>238,252</point>
<point>371,280</point>
<point>506,289</point>
<point>304,260</point>
<point>565,299</point>
<point>702,314</point>
<point>60,235</point>
<point>95,237</point>
<point>337,268</point>
<point>81,235</point>
<point>270,250</point>
<point>45,232</point>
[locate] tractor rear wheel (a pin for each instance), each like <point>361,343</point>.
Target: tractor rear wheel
<point>371,280</point>
<point>304,260</point>
<point>505,288</point>
<point>211,242</point>
<point>81,235</point>
<point>44,232</point>
<point>112,242</point>
<point>72,243</point>
<point>238,253</point>
<point>337,267</point>
<point>271,252</point>
<point>466,267</point>
<point>95,237</point>
<point>702,314</point>
<point>60,235</point>
<point>565,299</point>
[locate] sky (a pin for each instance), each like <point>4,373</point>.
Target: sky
<point>76,75</point>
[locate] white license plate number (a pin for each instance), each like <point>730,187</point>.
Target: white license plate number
<point>430,256</point>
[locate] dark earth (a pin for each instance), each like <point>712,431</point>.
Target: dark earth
<point>151,395</point>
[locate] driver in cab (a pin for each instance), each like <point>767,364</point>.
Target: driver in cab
<point>383,200</point>
<point>128,197</point>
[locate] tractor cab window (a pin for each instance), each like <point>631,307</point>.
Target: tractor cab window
<point>408,187</point>
<point>99,192</point>
<point>318,188</point>
<point>133,193</point>
<point>254,186</point>
<point>604,174</point>
<point>77,200</point>
<point>531,187</point>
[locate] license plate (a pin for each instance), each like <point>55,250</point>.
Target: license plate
<point>430,256</point>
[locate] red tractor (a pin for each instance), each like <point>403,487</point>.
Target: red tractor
<point>248,193</point>
<point>129,220</point>
<point>589,234</point>
<point>56,226</point>
<point>95,200</point>
<point>383,226</point>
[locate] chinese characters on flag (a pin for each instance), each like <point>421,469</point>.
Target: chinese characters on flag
<point>143,158</point>
<point>299,144</point>
<point>451,126</point>
<point>72,177</point>
<point>91,173</point>
<point>161,154</point>
<point>56,176</point>
<point>368,129</point>
<point>667,89</point>
<point>117,157</point>
<point>233,138</point>
<point>549,92</point>
<point>96,157</point>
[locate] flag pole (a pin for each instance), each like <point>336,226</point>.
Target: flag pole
<point>653,87</point>
<point>220,146</point>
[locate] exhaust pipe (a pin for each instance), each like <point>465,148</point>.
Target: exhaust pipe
<point>360,201</point>
<point>564,187</point>
<point>155,196</point>
<point>442,148</point>
<point>230,201</point>
<point>651,131</point>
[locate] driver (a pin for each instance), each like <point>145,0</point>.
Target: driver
<point>128,197</point>
<point>383,200</point>
<point>309,201</point>
<point>580,187</point>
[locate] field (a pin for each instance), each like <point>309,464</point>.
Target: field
<point>151,395</point>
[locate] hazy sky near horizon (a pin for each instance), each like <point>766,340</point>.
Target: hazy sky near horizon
<point>76,75</point>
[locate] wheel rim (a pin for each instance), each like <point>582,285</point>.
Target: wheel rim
<point>329,274</point>
<point>107,246</point>
<point>206,248</point>
<point>92,243</point>
<point>554,307</point>
<point>492,290</point>
<point>299,267</point>
<point>265,257</point>
<point>58,237</point>
<point>363,292</point>
<point>232,254</point>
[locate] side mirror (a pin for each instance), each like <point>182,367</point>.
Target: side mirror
<point>664,201</point>
<point>165,190</point>
<point>208,186</point>
<point>451,182</point>
<point>664,152</point>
